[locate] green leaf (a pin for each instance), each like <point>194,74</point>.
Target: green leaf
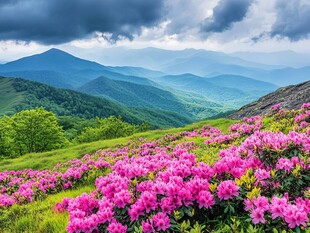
<point>231,209</point>
<point>274,230</point>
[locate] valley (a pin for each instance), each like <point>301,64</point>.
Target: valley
<point>154,116</point>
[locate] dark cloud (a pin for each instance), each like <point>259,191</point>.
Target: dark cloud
<point>60,21</point>
<point>293,19</point>
<point>225,14</point>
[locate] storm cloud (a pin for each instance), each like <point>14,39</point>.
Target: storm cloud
<point>60,21</point>
<point>293,20</point>
<point>225,14</point>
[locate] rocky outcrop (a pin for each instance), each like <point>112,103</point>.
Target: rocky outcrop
<point>290,97</point>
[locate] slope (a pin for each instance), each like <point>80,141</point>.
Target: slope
<point>132,94</point>
<point>10,98</point>
<point>290,97</point>
<point>19,94</point>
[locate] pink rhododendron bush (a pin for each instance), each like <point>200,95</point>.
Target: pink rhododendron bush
<point>257,176</point>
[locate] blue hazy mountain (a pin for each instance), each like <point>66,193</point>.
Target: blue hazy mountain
<point>54,60</point>
<point>158,59</point>
<point>270,67</point>
<point>282,58</point>
<point>52,78</point>
<point>67,70</point>
<point>288,76</point>
<point>245,84</point>
<point>223,89</point>
<point>138,95</point>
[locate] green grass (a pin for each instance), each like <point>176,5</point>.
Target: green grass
<point>9,97</point>
<point>49,159</point>
<point>38,216</point>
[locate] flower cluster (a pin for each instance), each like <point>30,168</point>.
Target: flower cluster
<point>27,185</point>
<point>294,214</point>
<point>146,188</point>
<point>157,186</point>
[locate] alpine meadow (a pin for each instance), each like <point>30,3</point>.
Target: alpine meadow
<point>136,116</point>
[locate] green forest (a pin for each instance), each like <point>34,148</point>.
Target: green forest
<point>19,94</point>
<point>38,130</point>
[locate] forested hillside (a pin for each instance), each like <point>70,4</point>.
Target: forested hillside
<point>22,94</point>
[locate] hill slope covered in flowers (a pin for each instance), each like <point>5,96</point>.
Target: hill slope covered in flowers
<point>254,178</point>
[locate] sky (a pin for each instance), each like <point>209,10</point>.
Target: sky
<point>32,26</point>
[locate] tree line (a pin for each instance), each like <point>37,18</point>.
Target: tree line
<point>38,130</point>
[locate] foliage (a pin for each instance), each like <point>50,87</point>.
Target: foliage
<point>108,128</point>
<point>6,136</point>
<point>73,126</point>
<point>30,131</point>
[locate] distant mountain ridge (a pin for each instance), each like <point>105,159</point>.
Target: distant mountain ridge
<point>68,70</point>
<point>225,89</point>
<point>246,84</point>
<point>138,95</point>
<point>290,97</point>
<point>269,67</point>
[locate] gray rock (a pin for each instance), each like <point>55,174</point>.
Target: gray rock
<point>290,97</point>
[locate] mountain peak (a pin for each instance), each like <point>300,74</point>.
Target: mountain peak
<point>54,51</point>
<point>52,60</point>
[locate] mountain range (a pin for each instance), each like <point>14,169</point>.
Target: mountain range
<point>268,67</point>
<point>192,83</point>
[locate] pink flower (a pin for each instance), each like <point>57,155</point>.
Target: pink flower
<point>6,200</point>
<point>285,164</point>
<point>161,221</point>
<point>305,105</point>
<point>276,107</point>
<point>149,201</point>
<point>295,216</point>
<point>186,196</point>
<point>205,199</point>
<point>277,207</point>
<point>122,198</point>
<point>257,216</point>
<point>135,211</point>
<point>116,227</point>
<point>261,202</point>
<point>68,185</point>
<point>203,171</point>
<point>248,204</point>
<point>303,124</point>
<point>227,190</point>
<point>261,174</point>
<point>147,227</point>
